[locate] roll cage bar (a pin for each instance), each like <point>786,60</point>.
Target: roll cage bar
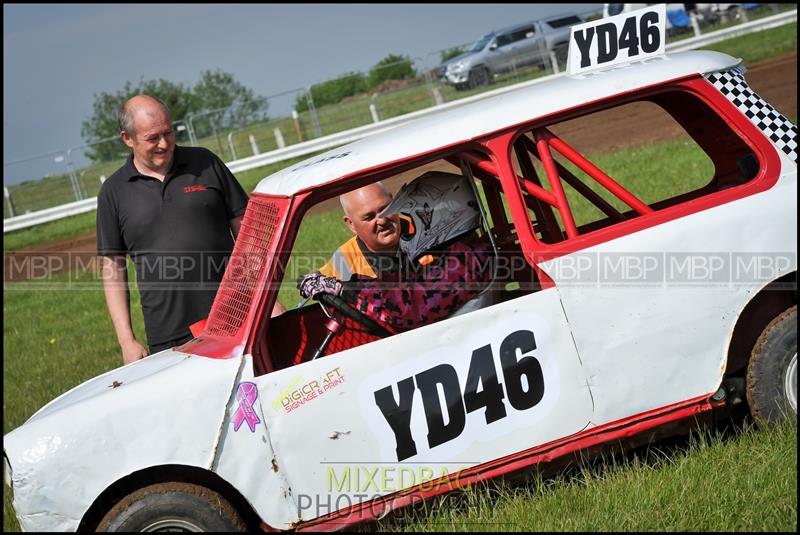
<point>543,202</point>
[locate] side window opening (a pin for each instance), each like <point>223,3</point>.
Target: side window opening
<point>523,33</point>
<point>503,40</point>
<point>569,20</point>
<point>515,277</point>
<point>566,197</point>
<point>732,159</point>
<point>587,173</point>
<point>306,326</point>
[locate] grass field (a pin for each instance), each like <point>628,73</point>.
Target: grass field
<point>708,482</point>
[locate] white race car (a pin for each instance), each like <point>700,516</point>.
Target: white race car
<point>627,303</point>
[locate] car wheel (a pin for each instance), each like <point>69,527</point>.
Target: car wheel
<point>478,77</point>
<point>772,372</point>
<point>173,507</point>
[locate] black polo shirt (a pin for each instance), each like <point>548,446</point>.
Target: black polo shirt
<point>177,232</point>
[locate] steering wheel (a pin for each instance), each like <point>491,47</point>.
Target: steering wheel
<point>372,326</point>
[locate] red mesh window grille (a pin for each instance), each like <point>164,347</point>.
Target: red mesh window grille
<point>249,258</point>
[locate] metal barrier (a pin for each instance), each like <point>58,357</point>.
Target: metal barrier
<point>64,182</point>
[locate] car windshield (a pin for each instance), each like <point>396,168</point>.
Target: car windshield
<point>477,47</point>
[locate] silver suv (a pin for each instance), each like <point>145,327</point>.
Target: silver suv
<point>507,49</point>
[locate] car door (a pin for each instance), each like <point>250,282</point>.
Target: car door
<point>652,292</point>
<point>425,404</point>
<point>652,318</point>
<point>500,55</point>
<point>527,46</point>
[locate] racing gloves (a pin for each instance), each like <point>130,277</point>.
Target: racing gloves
<point>316,283</point>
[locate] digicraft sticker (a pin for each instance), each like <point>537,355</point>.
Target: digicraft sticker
<point>298,392</point>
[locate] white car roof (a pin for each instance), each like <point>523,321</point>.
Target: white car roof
<point>457,125</point>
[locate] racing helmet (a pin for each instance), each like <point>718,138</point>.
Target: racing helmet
<point>434,208</point>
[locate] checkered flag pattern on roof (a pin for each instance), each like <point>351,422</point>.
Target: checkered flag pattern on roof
<point>766,118</point>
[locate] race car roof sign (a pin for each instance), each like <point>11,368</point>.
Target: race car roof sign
<point>625,38</point>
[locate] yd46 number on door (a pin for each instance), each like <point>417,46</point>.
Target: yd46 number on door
<point>522,387</point>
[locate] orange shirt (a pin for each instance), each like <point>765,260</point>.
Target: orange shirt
<point>348,260</point>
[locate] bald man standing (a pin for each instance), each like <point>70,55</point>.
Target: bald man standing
<point>175,211</point>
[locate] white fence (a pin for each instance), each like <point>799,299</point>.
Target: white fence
<point>340,138</point>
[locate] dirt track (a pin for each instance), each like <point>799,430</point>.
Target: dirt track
<point>774,79</point>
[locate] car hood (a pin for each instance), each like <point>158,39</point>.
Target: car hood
<point>456,59</point>
<point>168,408</point>
<point>102,384</point>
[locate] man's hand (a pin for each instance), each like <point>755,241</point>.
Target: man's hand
<point>314,284</point>
<point>132,351</point>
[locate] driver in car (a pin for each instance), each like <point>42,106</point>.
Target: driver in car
<point>373,249</point>
<point>412,260</point>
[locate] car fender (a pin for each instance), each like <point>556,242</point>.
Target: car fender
<point>245,456</point>
<point>165,409</point>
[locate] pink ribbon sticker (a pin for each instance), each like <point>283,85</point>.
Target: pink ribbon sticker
<point>246,395</point>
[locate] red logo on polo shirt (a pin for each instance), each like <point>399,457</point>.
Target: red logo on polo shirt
<point>190,189</point>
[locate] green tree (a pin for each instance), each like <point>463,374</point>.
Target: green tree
<point>103,122</point>
<point>332,91</point>
<point>216,102</point>
<point>221,103</point>
<point>451,53</point>
<point>392,67</point>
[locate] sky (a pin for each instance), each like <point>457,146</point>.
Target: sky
<point>56,58</point>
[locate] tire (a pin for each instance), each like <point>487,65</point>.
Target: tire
<point>173,507</point>
<point>478,77</point>
<point>772,372</point>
